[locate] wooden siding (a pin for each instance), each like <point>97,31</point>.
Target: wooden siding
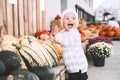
<point>22,18</point>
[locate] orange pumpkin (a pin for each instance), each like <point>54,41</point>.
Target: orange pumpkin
<point>109,28</point>
<point>117,34</point>
<point>99,27</point>
<point>114,29</point>
<point>58,49</point>
<point>83,38</point>
<point>102,33</point>
<point>37,34</point>
<point>110,33</point>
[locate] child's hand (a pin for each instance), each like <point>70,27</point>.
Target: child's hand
<point>55,31</point>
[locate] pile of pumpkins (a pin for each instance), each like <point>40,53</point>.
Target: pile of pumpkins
<point>92,31</point>
<point>109,31</point>
<point>39,58</point>
<point>88,31</point>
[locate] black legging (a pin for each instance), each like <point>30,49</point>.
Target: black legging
<point>78,76</point>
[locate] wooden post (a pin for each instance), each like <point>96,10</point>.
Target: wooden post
<point>15,20</point>
<point>25,17</point>
<point>37,15</point>
<point>43,20</point>
<point>9,18</point>
<point>30,17</point>
<point>1,17</point>
<point>4,13</point>
<point>34,16</point>
<point>21,19</point>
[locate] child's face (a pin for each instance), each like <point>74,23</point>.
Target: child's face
<point>69,21</point>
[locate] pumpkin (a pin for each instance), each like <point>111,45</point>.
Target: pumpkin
<point>7,42</point>
<point>83,38</point>
<point>44,73</point>
<point>11,61</point>
<point>37,34</point>
<point>99,26</point>
<point>109,28</point>
<point>25,40</point>
<point>23,75</point>
<point>102,33</point>
<point>32,52</point>
<point>35,54</point>
<point>117,34</point>
<point>110,33</point>
<point>58,49</point>
<point>44,37</point>
<point>52,52</point>
<point>114,29</point>
<point>2,68</point>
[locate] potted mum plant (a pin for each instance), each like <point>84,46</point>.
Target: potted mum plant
<point>100,48</point>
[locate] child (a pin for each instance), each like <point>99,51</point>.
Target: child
<point>70,40</point>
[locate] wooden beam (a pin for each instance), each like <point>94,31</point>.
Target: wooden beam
<point>9,18</point>
<point>4,11</point>
<point>44,20</point>
<point>15,20</point>
<point>34,16</point>
<point>21,19</point>
<point>30,17</point>
<point>37,15</point>
<point>1,17</point>
<point>25,16</point>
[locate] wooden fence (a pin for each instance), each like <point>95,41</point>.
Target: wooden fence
<point>23,18</point>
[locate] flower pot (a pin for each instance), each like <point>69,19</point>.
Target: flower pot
<point>98,61</point>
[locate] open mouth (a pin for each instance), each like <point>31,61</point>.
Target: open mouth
<point>70,26</point>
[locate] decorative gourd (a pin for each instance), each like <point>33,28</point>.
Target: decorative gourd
<point>35,54</point>
<point>52,52</point>
<point>23,75</point>
<point>2,68</point>
<point>11,61</point>
<point>7,42</point>
<point>25,40</point>
<point>58,49</point>
<point>44,73</point>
